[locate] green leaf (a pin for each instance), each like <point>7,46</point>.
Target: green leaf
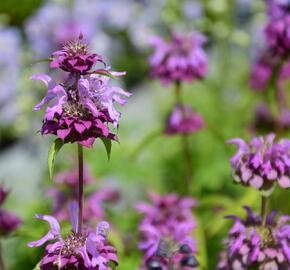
<point>54,149</point>
<point>108,144</point>
<point>41,60</point>
<point>103,72</point>
<point>37,267</point>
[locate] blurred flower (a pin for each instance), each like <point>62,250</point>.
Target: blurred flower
<point>262,70</point>
<point>182,120</point>
<point>278,25</point>
<point>250,245</point>
<point>56,23</point>
<point>261,162</point>
<point>8,221</point>
<point>265,121</point>
<point>66,192</point>
<point>10,50</point>
<point>70,177</point>
<point>180,59</point>
<point>83,106</point>
<point>86,250</point>
<point>166,229</point>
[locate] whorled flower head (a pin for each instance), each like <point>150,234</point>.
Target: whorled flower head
<point>180,59</point>
<point>66,192</point>
<point>182,120</point>
<point>8,221</point>
<point>249,245</point>
<point>75,58</point>
<point>262,162</point>
<point>86,250</point>
<point>166,229</point>
<point>80,109</point>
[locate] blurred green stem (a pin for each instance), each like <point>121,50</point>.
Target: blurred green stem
<point>264,207</point>
<point>81,188</point>
<point>185,142</point>
<point>2,266</point>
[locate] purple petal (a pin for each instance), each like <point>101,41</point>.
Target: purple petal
<point>53,233</point>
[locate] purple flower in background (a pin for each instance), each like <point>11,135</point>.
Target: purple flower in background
<point>56,23</point>
<point>265,121</point>
<point>182,120</point>
<point>70,177</point>
<point>250,245</point>
<point>278,25</point>
<point>8,221</point>
<point>87,250</point>
<point>262,162</point>
<point>10,50</point>
<point>181,59</point>
<point>262,70</point>
<point>166,229</point>
<point>80,109</point>
<point>66,192</point>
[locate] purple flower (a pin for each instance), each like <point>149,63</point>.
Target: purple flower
<point>66,192</point>
<point>182,120</point>
<point>86,250</point>
<point>8,221</point>
<point>249,244</point>
<point>265,121</point>
<point>75,58</point>
<point>167,225</point>
<point>80,109</point>
<point>262,70</point>
<point>277,27</point>
<point>181,59</point>
<point>70,177</point>
<point>262,162</point>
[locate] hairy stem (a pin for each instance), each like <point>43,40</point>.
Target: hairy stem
<point>81,188</point>
<point>264,207</point>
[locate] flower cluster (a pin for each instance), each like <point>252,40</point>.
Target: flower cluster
<point>262,162</point>
<point>66,192</point>
<point>182,120</point>
<point>80,109</point>
<point>181,59</point>
<point>8,221</point>
<point>166,231</point>
<point>87,250</point>
<point>250,245</point>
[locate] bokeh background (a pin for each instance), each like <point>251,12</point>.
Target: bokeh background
<point>145,159</point>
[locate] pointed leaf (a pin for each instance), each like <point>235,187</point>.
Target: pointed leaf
<point>103,72</point>
<point>37,267</point>
<point>54,149</point>
<point>108,144</point>
<point>41,60</point>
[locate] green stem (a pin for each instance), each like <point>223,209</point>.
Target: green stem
<point>2,266</point>
<point>264,208</point>
<point>185,142</point>
<point>81,188</point>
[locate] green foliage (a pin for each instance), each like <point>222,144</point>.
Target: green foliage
<point>54,149</point>
<point>108,145</point>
